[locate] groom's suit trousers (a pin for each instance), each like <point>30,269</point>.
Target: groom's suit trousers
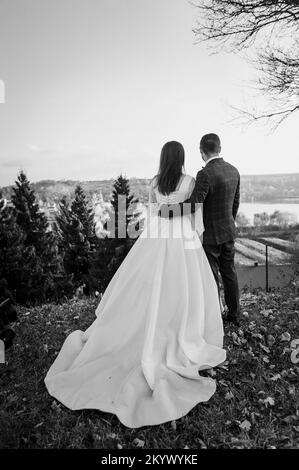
<point>221,259</point>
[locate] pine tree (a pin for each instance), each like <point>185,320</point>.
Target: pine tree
<point>63,224</point>
<point>42,266</point>
<point>123,208</point>
<point>113,249</point>
<point>11,248</point>
<point>77,240</point>
<point>84,213</point>
<point>28,215</point>
<point>101,270</point>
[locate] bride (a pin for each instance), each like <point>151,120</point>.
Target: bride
<point>158,324</point>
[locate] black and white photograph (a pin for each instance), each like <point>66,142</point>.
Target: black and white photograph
<point>149,229</point>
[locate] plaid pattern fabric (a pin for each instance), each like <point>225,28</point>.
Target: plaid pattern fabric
<point>218,188</point>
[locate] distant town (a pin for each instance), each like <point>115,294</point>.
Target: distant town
<point>280,188</point>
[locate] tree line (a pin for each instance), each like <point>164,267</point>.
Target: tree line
<point>277,219</point>
<point>39,264</point>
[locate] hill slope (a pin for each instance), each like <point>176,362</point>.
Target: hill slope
<point>254,406</point>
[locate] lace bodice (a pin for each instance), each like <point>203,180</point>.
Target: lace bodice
<point>184,189</point>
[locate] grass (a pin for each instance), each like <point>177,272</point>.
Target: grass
<point>255,404</point>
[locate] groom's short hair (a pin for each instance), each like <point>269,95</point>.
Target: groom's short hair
<point>210,143</point>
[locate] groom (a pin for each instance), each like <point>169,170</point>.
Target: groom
<point>218,188</point>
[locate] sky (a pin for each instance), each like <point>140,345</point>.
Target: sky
<point>96,87</point>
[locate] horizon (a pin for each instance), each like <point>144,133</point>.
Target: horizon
<point>133,177</point>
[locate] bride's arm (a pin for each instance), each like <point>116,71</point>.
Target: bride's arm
<point>197,216</point>
<point>190,188</point>
<point>152,201</point>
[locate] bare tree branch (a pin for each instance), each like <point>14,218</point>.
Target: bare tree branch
<point>281,116</point>
<point>234,25</point>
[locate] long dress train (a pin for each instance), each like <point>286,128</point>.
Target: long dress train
<point>157,326</point>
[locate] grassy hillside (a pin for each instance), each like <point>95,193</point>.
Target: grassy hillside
<point>255,404</point>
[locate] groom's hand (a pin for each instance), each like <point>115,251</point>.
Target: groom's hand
<point>198,195</point>
<point>168,211</point>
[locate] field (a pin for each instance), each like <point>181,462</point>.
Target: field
<point>255,404</point>
<point>249,251</point>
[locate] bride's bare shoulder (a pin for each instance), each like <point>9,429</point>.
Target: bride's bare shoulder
<point>191,179</point>
<point>153,181</point>
<point>190,183</point>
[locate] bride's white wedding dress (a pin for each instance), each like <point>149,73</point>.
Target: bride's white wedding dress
<point>157,326</point>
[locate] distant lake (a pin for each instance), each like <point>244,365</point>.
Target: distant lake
<point>251,208</point>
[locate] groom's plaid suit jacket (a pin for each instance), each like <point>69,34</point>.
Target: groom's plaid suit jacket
<point>218,187</point>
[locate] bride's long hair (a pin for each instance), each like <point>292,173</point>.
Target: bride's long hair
<point>171,167</point>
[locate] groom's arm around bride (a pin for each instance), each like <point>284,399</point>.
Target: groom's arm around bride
<point>197,196</point>
<point>217,185</point>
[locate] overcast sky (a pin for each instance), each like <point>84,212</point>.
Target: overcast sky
<point>96,87</point>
